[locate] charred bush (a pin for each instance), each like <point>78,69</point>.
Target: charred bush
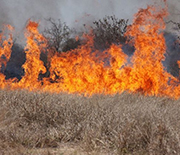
<point>60,37</point>
<point>172,51</point>
<point>14,65</point>
<point>109,30</point>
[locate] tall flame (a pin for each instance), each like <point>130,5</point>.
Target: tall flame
<point>87,71</point>
<point>5,52</point>
<point>33,65</point>
<point>148,74</point>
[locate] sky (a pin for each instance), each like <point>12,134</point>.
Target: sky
<point>73,12</point>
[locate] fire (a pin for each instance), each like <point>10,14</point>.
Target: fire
<point>87,71</point>
<point>148,74</point>
<point>5,52</point>
<point>33,65</point>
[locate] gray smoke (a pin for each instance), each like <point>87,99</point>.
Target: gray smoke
<point>18,12</point>
<point>84,11</point>
<point>174,15</point>
<point>73,12</point>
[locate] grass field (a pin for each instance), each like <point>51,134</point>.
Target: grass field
<point>62,124</point>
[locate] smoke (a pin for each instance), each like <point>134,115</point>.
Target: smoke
<point>17,12</point>
<point>174,10</point>
<point>174,15</point>
<point>3,14</point>
<point>74,13</point>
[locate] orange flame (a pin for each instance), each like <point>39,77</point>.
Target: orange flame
<point>148,74</point>
<point>5,52</point>
<point>33,65</point>
<point>85,71</point>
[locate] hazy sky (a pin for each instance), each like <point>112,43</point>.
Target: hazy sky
<point>73,12</point>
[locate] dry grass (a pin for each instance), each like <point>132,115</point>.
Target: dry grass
<point>41,123</point>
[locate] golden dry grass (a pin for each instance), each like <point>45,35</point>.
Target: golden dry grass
<point>50,124</point>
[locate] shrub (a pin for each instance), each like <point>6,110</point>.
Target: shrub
<point>109,30</point>
<point>60,37</point>
<point>14,65</point>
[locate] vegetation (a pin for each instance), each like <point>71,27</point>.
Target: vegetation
<point>17,59</point>
<point>41,123</point>
<point>105,32</point>
<point>60,37</point>
<point>109,30</point>
<point>173,45</point>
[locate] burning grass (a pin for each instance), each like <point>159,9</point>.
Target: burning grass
<point>119,124</point>
<point>37,115</point>
<point>87,70</point>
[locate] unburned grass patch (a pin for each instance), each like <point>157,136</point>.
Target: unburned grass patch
<point>119,124</point>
